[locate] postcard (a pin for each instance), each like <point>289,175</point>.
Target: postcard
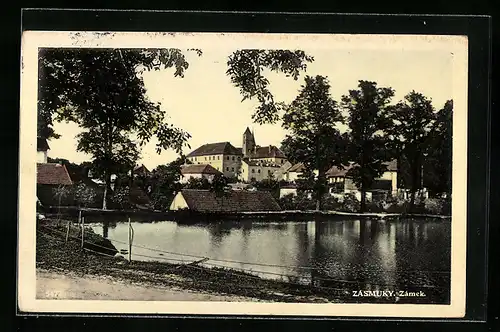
<point>243,174</point>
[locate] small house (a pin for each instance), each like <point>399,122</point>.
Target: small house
<point>53,184</point>
<point>198,171</point>
<point>340,182</point>
<point>231,201</point>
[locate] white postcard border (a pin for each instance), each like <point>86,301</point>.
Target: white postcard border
<point>32,40</point>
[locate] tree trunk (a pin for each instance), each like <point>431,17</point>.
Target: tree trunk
<point>107,181</point>
<point>320,189</point>
<point>362,207</point>
<point>414,183</point>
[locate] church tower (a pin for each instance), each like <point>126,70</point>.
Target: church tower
<point>248,143</point>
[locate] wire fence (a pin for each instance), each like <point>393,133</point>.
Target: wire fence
<point>244,272</point>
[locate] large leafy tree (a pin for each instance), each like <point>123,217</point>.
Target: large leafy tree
<point>412,123</point>
<point>438,166</point>
<point>102,91</point>
<point>313,119</point>
<point>369,147</point>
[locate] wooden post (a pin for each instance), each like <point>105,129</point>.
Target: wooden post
<point>83,232</point>
<point>67,231</point>
<point>129,240</point>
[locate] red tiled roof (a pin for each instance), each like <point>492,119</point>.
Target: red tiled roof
<point>141,169</point>
<point>53,174</point>
<point>297,168</point>
<point>215,148</point>
<point>236,201</point>
<point>41,144</point>
<point>270,151</point>
<point>199,169</point>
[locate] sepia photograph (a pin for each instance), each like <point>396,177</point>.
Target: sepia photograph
<point>237,173</point>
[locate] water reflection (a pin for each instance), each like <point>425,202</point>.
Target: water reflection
<point>343,254</point>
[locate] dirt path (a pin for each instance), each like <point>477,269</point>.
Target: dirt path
<point>69,286</point>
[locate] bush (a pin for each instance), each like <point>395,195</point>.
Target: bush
<point>350,203</point>
<point>85,195</point>
<point>331,203</point>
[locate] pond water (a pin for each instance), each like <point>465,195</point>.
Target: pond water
<point>407,255</point>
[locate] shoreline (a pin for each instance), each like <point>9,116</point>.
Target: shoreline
<point>187,216</point>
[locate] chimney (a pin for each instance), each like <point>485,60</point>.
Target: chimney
<point>269,149</point>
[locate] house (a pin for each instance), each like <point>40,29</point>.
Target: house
<point>222,156</point>
<point>41,150</point>
<point>289,189</point>
<point>198,171</point>
<point>53,183</point>
<point>241,186</point>
<point>230,160</point>
<point>294,173</point>
<point>340,182</point>
<point>254,170</point>
<point>233,201</point>
<point>141,170</point>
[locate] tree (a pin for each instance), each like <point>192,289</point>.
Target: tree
<point>84,194</point>
<point>218,185</point>
<point>164,183</point>
<point>312,119</point>
<point>412,122</point>
<point>439,162</point>
<point>271,185</point>
<point>368,147</point>
<point>101,90</point>
<point>246,71</point>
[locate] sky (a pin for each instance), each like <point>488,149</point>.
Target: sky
<point>209,107</point>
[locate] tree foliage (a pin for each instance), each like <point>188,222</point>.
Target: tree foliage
<point>368,148</point>
<point>246,71</point>
<point>103,92</point>
<point>313,119</point>
<point>439,161</point>
<point>410,130</point>
<point>163,183</point>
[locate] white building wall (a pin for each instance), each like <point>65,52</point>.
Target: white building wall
<point>41,157</point>
<point>185,178</point>
<point>179,202</point>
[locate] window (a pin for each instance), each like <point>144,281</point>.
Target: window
<point>205,158</point>
<point>282,161</point>
<point>243,170</point>
<point>239,158</point>
<point>227,169</point>
<point>217,157</point>
<point>232,169</point>
<point>258,171</point>
<point>227,157</point>
<point>233,158</point>
<point>253,170</point>
<point>195,159</point>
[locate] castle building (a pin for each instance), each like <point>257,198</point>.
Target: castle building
<point>250,162</point>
